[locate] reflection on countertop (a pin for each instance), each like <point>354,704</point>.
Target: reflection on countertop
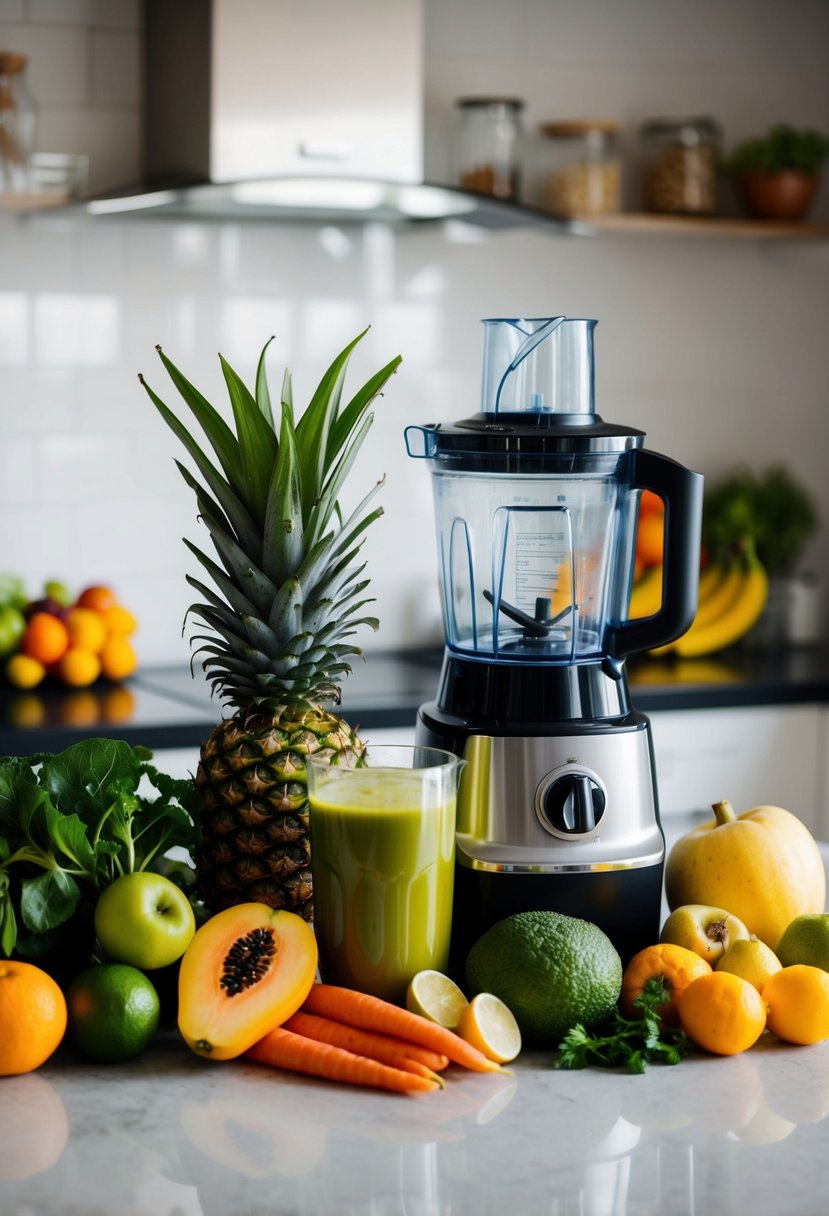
<point>169,1133</point>
<point>167,706</point>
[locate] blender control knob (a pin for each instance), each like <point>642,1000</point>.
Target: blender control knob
<point>571,804</point>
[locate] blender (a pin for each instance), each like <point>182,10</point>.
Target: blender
<point>536,502</point>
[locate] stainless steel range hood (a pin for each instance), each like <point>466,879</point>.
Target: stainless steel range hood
<point>292,109</point>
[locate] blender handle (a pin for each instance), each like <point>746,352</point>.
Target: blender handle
<point>681,491</point>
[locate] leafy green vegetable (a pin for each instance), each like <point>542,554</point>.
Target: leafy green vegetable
<point>70,824</point>
<point>782,148</point>
<point>627,1042</point>
<point>773,509</point>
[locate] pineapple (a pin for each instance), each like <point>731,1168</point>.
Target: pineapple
<point>284,604</point>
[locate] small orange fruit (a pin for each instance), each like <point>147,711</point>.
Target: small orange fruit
<point>650,504</point>
<point>650,539</point>
<point>98,597</point>
<point>32,1017</point>
<point>797,998</point>
<point>79,667</point>
<point>119,621</point>
<point>723,1013</point>
<point>46,638</point>
<point>86,629</point>
<point>674,966</point>
<point>118,659</point>
<point>24,672</point>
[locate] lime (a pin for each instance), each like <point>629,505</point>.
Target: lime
<point>436,997</point>
<point>806,940</point>
<point>113,1011</point>
<point>489,1025</point>
<point>551,970</point>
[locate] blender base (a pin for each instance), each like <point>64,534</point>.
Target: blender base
<point>625,904</point>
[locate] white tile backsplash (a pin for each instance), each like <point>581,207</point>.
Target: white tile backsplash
<point>715,348</point>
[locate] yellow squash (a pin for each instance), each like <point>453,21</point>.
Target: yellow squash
<point>763,866</point>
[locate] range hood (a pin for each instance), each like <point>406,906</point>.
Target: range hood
<point>293,109</point>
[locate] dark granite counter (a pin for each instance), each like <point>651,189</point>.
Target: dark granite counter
<point>166,707</point>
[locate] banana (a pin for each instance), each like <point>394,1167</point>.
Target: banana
<point>748,593</point>
<point>646,596</point>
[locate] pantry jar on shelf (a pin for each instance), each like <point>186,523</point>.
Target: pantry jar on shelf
<point>490,145</point>
<point>680,165</point>
<point>582,173</point>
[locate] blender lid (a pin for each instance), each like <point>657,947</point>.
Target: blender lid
<point>537,395</point>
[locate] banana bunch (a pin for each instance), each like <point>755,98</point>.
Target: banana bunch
<point>732,596</point>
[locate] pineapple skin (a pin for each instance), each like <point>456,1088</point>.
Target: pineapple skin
<point>254,843</point>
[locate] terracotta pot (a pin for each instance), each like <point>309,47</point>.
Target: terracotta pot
<point>786,195</point>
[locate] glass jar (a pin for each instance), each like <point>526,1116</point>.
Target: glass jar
<point>681,158</point>
<point>17,124</point>
<point>490,140</point>
<point>583,175</point>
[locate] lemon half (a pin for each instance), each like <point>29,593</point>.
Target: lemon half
<point>436,997</point>
<point>488,1024</point>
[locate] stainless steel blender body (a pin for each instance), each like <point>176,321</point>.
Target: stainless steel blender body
<point>536,501</point>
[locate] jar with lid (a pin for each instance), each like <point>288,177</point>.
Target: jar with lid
<point>17,124</point>
<point>490,140</point>
<point>582,173</point>
<point>680,161</point>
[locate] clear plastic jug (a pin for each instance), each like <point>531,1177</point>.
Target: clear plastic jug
<point>536,502</point>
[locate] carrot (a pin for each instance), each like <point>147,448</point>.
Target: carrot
<point>366,1012</point>
<point>380,1047</point>
<point>285,1049</point>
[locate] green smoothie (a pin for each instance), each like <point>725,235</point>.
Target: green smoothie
<point>382,856</point>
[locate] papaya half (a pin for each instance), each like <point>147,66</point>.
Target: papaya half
<point>245,972</point>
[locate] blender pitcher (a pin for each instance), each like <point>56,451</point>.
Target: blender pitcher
<point>536,501</point>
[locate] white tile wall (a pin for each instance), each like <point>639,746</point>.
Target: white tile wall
<point>716,348</point>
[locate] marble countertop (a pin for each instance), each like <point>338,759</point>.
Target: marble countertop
<point>169,1134</point>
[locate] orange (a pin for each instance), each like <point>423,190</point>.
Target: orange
<point>46,638</point>
<point>24,672</point>
<point>650,504</point>
<point>674,965</point>
<point>32,1017</point>
<point>118,659</point>
<point>650,535</point>
<point>86,629</point>
<point>79,667</point>
<point>797,998</point>
<point>118,621</point>
<point>98,597</point>
<point>723,1013</point>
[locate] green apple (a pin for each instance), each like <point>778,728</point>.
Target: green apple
<point>145,920</point>
<point>707,931</point>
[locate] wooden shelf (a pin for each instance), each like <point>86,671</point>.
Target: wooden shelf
<point>762,230</point>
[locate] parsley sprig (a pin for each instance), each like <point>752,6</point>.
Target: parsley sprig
<point>632,1043</point>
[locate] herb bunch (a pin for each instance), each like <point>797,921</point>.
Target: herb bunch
<point>630,1043</point>
<point>70,824</point>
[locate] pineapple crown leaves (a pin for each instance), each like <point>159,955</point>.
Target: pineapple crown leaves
<point>286,592</point>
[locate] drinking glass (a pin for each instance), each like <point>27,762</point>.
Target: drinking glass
<point>383,864</point>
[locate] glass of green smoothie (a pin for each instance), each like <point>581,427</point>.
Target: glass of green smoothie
<point>383,865</point>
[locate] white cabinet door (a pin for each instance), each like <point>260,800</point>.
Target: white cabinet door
<point>753,756</point>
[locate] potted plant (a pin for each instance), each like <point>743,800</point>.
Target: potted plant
<point>779,173</point>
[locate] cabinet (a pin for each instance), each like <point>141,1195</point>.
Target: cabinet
<point>757,755</point>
